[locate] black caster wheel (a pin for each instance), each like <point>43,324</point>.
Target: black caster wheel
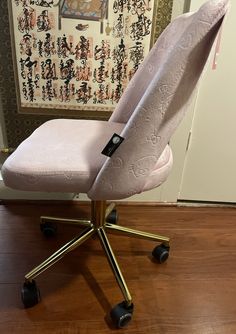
<point>49,229</point>
<point>121,315</point>
<point>30,294</point>
<point>161,253</point>
<point>113,217</point>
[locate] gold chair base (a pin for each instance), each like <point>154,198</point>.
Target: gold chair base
<point>99,226</point>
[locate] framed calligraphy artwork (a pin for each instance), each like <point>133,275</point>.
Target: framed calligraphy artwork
<point>76,57</point>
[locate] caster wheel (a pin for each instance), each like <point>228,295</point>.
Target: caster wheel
<point>49,229</point>
<point>30,294</point>
<point>113,217</point>
<point>121,315</point>
<point>161,253</point>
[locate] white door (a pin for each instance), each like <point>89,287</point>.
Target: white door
<point>210,165</point>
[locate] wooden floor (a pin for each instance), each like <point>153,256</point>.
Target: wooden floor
<point>193,293</point>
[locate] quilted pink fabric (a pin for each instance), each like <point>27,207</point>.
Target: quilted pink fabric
<point>156,100</point>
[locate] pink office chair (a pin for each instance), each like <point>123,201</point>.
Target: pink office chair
<point>65,155</point>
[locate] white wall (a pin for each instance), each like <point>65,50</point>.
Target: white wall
<point>209,171</point>
<point>178,7</point>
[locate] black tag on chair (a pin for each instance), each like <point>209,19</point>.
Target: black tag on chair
<point>112,145</point>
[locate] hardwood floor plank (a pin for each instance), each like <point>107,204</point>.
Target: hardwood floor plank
<point>193,293</point>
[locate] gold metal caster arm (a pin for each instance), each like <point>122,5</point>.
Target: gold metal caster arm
<point>71,245</point>
<point>114,266</point>
<point>136,233</point>
<point>81,222</point>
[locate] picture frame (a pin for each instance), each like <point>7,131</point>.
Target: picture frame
<point>77,61</point>
<point>91,10</point>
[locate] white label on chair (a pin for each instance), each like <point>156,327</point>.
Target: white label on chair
<point>112,145</point>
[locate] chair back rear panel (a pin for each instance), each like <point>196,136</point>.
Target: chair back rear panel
<point>156,100</point>
<point>147,70</point>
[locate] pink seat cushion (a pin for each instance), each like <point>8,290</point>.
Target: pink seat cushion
<point>65,156</point>
<point>61,155</point>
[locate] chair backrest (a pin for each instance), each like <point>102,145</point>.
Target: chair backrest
<point>156,99</point>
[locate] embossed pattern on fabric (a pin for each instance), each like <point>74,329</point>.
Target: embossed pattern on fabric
<point>156,99</point>
<point>61,155</point>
